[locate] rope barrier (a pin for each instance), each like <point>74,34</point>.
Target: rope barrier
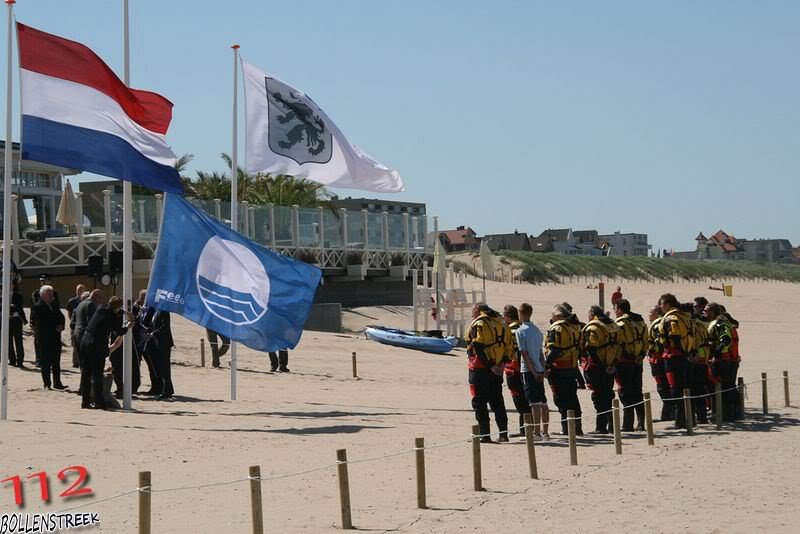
<point>150,489</point>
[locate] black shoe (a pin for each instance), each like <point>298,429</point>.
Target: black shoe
<point>273,369</point>
<point>164,396</point>
<point>283,369</point>
<point>59,386</point>
<point>503,438</point>
<point>215,362</point>
<point>627,429</point>
<point>487,439</point>
<point>47,387</point>
<point>20,365</point>
<point>118,395</point>
<point>86,405</point>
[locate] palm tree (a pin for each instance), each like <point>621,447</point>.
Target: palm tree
<point>278,189</point>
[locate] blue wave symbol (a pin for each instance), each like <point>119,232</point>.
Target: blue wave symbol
<point>228,303</point>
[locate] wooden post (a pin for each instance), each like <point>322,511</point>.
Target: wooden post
<point>419,450</point>
<point>687,410</point>
<point>202,352</point>
<point>573,447</point>
<point>601,294</point>
<point>355,366</point>
<point>477,483</point>
<point>648,418</point>
<point>787,403</point>
<point>529,442</point>
<point>255,499</point>
<point>719,410</point>
<point>617,432</point>
<point>764,399</point>
<point>344,489</point>
<point>144,502</point>
<point>414,298</point>
<point>740,387</point>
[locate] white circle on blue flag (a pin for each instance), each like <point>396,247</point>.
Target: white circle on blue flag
<point>232,282</point>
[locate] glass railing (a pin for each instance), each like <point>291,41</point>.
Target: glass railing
<point>256,222</point>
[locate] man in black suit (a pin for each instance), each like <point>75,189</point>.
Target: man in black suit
<point>48,323</point>
<point>159,345</point>
<point>83,314</point>
<point>16,350</point>
<point>106,322</point>
<point>80,294</point>
<point>143,348</point>
<point>43,280</point>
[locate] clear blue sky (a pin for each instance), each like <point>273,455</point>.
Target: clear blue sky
<point>658,117</point>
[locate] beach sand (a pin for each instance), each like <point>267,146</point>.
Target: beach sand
<point>740,479</point>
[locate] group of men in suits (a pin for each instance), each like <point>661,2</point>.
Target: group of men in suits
<point>97,330</point>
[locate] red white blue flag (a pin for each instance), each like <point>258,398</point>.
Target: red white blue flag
<point>77,113</point>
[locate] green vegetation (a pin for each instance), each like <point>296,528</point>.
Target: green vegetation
<point>553,267</point>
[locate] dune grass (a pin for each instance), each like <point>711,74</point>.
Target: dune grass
<point>552,267</point>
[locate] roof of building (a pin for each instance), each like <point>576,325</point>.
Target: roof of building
<point>700,237</point>
<point>513,241</point>
<point>556,234</point>
<point>460,236</point>
<point>541,244</point>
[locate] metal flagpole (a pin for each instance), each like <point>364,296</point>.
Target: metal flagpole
<point>9,150</point>
<point>234,190</point>
<point>127,239</point>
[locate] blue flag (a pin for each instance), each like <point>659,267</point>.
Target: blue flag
<point>219,279</point>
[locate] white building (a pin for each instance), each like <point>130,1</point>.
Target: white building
<point>629,244</point>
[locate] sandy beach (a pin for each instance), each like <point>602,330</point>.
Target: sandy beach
<point>740,479</point>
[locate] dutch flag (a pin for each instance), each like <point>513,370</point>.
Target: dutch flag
<point>77,113</point>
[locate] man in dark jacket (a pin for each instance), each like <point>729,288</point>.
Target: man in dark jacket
<point>83,314</point>
<point>80,295</point>
<point>48,323</point>
<point>35,296</point>
<point>16,350</point>
<point>159,346</point>
<point>107,321</point>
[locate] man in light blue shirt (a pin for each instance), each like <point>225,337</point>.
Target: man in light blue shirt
<point>529,341</point>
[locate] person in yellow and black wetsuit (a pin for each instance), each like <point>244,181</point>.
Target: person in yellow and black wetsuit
<point>600,350</point>
<point>736,357</point>
<point>720,343</point>
<point>655,353</point>
<point>633,339</point>
<point>677,338</point>
<point>562,343</point>
<point>698,365</point>
<point>489,347</point>
<point>513,374</point>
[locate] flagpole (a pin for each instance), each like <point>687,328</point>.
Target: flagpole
<point>127,239</point>
<point>234,190</point>
<point>9,150</point>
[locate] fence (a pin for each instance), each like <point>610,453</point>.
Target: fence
<point>146,490</point>
<point>316,235</point>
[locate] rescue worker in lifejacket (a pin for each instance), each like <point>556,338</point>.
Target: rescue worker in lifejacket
<point>513,374</point>
<point>698,364</point>
<point>676,336</point>
<point>489,347</point>
<point>736,356</point>
<point>600,351</point>
<point>655,353</point>
<point>579,324</point>
<point>632,338</point>
<point>562,343</point>
<point>720,342</point>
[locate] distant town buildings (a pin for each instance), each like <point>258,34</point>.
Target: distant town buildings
<point>558,240</point>
<point>723,246</point>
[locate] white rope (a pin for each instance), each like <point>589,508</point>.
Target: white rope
<point>375,458</point>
